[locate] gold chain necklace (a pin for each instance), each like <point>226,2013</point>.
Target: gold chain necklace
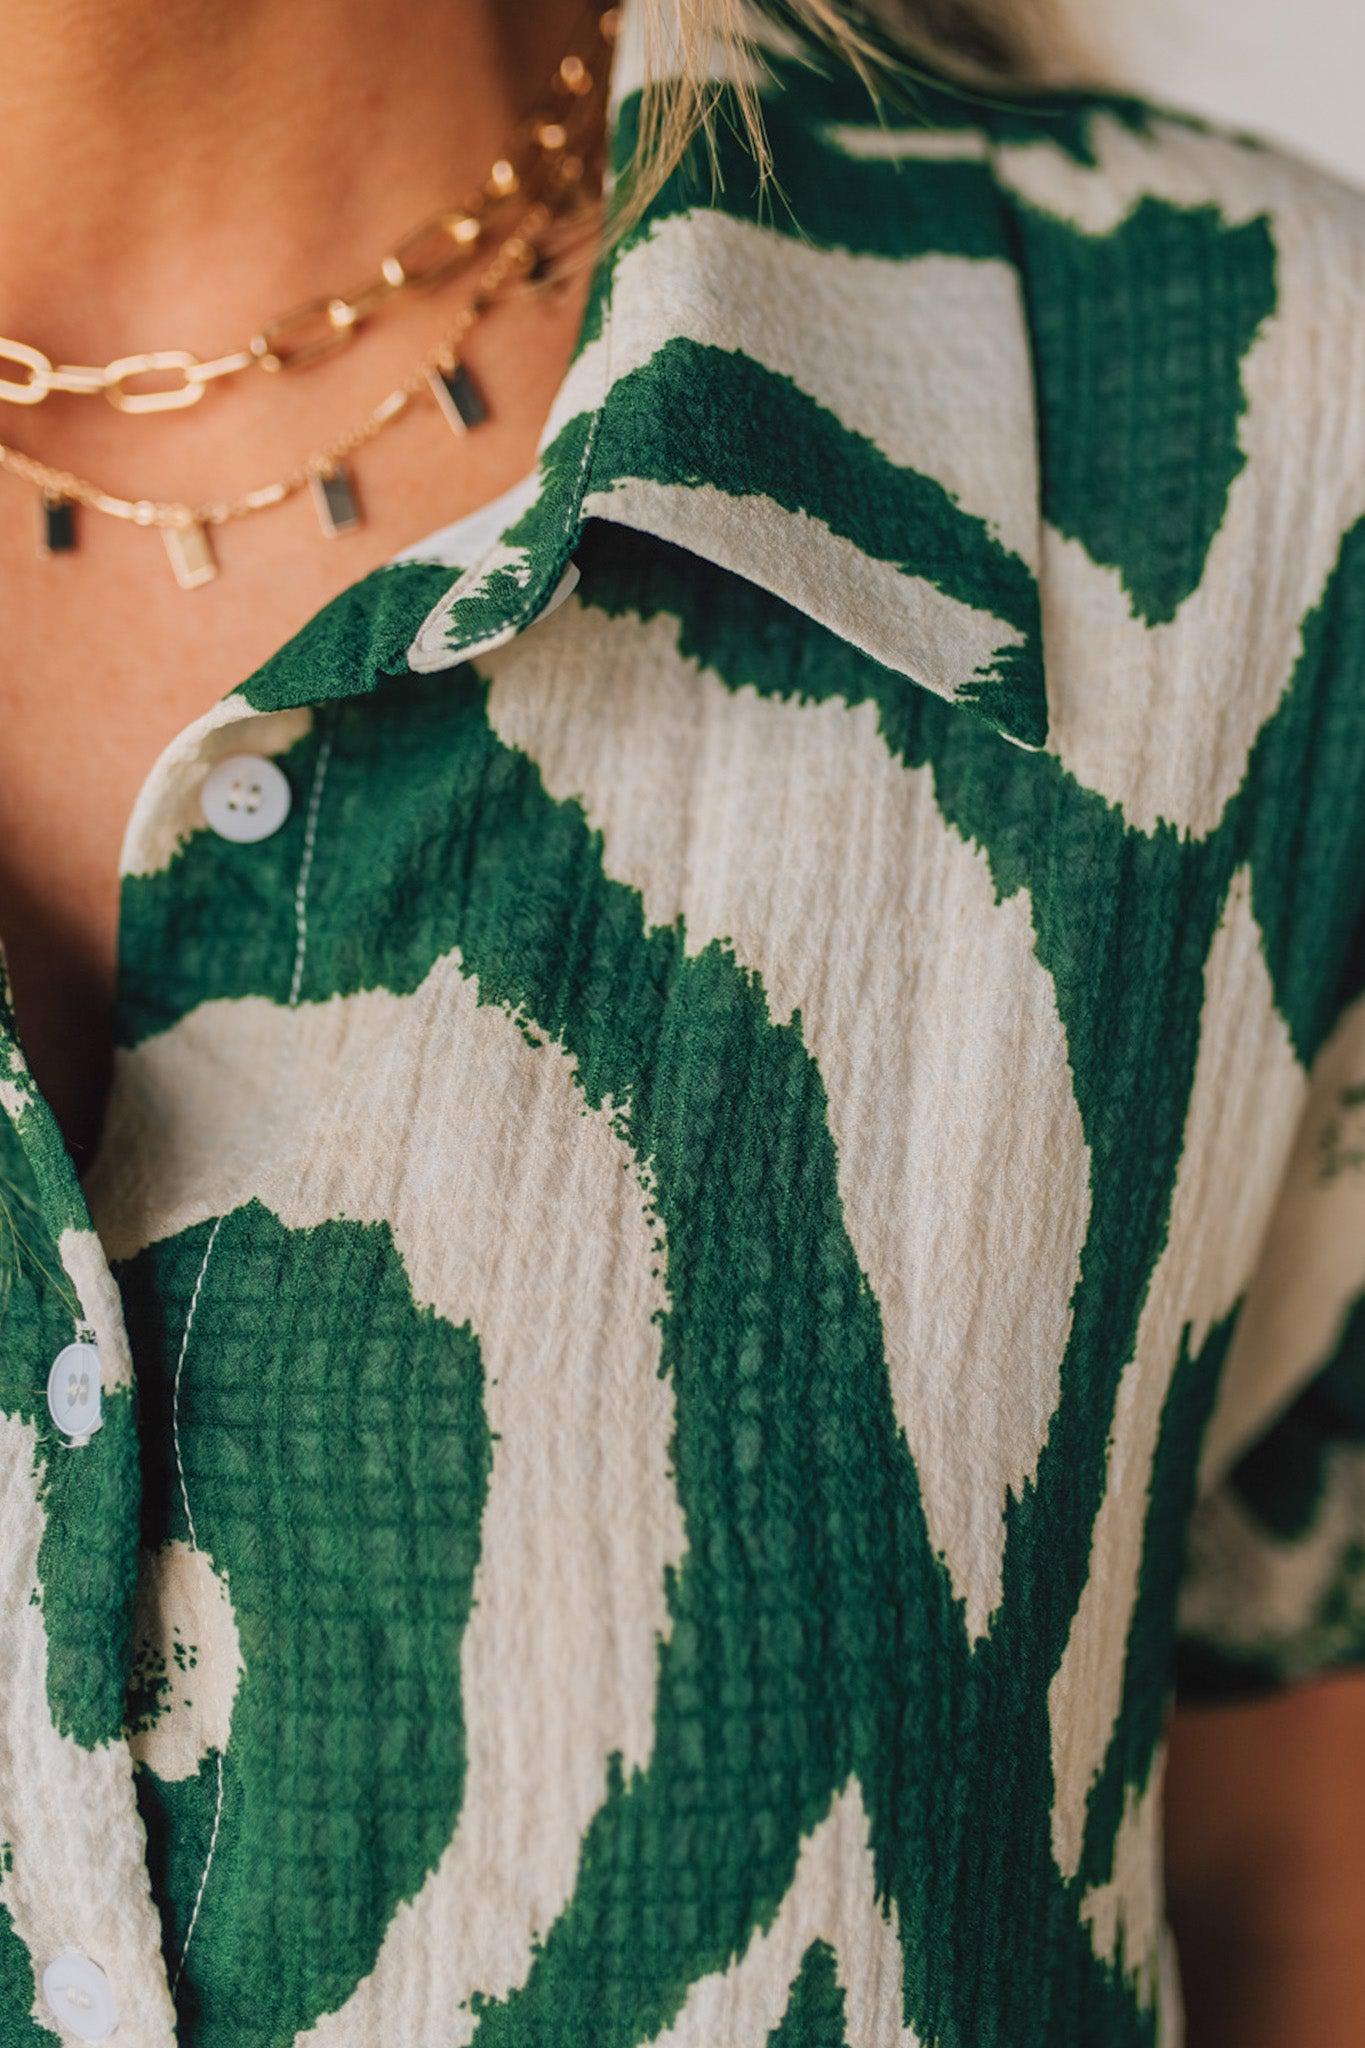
<point>549,168</point>
<point>185,529</point>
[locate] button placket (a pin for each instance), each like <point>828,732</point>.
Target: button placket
<point>72,1828</point>
<point>101,1971</point>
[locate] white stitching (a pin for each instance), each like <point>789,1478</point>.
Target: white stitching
<point>203,1881</point>
<point>310,834</point>
<point>194,1545</point>
<point>179,1368</point>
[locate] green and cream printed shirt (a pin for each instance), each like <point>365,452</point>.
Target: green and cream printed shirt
<point>730,1239</point>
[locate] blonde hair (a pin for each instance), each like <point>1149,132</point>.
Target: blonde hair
<point>987,43</point>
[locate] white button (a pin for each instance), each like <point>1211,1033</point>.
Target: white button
<point>73,1391</point>
<point>245,797</point>
<point>78,1992</point>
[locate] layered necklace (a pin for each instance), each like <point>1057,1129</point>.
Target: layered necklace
<point>548,173</point>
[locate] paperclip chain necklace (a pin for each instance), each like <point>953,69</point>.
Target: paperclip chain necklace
<point>547,166</point>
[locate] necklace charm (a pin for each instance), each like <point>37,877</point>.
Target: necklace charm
<point>191,553</point>
<point>458,396</point>
<point>334,501</point>
<point>57,530</point>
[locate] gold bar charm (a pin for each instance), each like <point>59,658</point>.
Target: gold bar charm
<point>459,398</point>
<point>334,501</point>
<point>191,553</point>
<point>57,534</point>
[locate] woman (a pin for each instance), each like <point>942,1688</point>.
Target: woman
<point>733,1165</point>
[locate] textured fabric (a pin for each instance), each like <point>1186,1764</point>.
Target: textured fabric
<point>746,1236</point>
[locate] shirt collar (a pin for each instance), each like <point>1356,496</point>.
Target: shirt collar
<point>762,379</point>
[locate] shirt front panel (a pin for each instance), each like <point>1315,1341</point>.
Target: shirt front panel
<point>588,1162</point>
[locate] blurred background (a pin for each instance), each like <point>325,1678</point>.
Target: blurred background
<point>1293,70</point>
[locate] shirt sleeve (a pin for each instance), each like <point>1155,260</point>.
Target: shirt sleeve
<point>1274,1586</point>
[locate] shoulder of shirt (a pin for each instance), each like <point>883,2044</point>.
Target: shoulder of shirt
<point>1139,216</point>
<point>1144,241</point>
<point>1085,158</point>
<point>1091,160</point>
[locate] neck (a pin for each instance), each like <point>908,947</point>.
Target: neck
<point>198,162</point>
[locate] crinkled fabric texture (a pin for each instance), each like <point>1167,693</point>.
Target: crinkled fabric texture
<point>746,1237</point>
